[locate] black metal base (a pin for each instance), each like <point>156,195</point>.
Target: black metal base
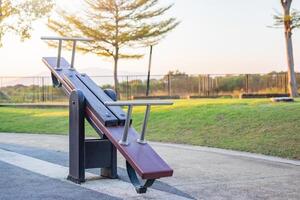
<point>75,180</point>
<point>139,187</point>
<point>101,153</point>
<point>55,82</point>
<point>87,153</point>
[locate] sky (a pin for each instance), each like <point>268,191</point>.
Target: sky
<point>215,37</point>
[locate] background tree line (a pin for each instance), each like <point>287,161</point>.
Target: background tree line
<point>172,84</point>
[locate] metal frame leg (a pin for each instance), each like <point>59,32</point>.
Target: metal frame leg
<point>76,137</point>
<point>112,171</point>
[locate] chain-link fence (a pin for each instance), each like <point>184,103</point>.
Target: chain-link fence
<point>39,89</point>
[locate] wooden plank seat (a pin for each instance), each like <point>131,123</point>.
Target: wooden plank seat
<point>109,121</point>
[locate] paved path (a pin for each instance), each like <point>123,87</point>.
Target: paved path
<point>35,167</point>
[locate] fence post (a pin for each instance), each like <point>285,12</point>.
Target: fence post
<point>46,90</point>
<point>52,94</point>
<point>208,85</point>
<point>286,82</point>
<point>127,88</point>
<point>43,89</point>
<point>169,85</point>
<point>203,85</point>
<point>217,85</point>
<point>277,81</point>
<point>1,83</point>
<point>33,92</point>
<point>212,86</point>
<point>199,84</point>
<point>247,84</point>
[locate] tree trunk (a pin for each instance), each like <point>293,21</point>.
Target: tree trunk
<point>116,81</point>
<point>292,83</point>
<point>0,8</point>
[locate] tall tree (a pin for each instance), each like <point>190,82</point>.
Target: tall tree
<point>116,25</point>
<point>289,20</point>
<point>17,16</point>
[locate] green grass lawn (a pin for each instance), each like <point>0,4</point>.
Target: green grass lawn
<point>248,125</point>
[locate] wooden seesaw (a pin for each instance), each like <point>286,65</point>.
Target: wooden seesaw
<point>104,113</point>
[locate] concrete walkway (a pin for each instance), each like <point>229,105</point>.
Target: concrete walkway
<point>199,173</point>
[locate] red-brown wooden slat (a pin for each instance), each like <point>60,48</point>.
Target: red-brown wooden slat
<point>72,82</point>
<point>147,163</point>
<point>100,94</point>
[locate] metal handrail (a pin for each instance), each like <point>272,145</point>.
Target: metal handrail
<point>130,104</point>
<point>60,40</point>
<point>139,103</point>
<point>66,38</point>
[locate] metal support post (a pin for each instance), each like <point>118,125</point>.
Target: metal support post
<point>87,153</point>
<point>144,128</point>
<point>73,54</point>
<point>124,140</point>
<point>59,55</point>
<point>76,137</point>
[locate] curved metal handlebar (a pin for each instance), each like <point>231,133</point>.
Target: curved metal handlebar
<point>130,104</point>
<point>60,39</point>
